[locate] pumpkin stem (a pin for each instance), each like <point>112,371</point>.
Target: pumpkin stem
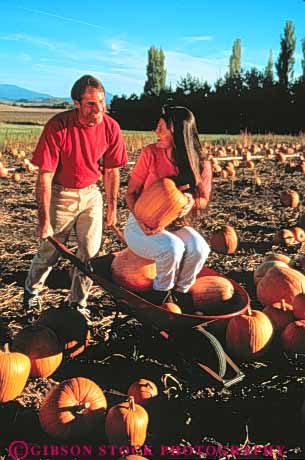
<point>283,304</point>
<point>6,348</point>
<point>131,403</point>
<point>249,311</point>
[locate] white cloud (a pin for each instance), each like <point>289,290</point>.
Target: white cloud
<point>34,40</point>
<point>63,18</point>
<point>24,57</point>
<point>197,38</point>
<point>117,46</point>
<point>179,64</point>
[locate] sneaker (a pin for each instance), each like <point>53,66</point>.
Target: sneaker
<point>32,304</point>
<point>82,310</point>
<point>31,301</point>
<point>184,300</point>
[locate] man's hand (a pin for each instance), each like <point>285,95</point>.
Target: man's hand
<point>188,206</point>
<point>44,230</point>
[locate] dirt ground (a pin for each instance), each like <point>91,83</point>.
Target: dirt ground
<point>192,409</point>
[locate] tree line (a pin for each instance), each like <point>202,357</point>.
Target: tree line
<point>253,100</point>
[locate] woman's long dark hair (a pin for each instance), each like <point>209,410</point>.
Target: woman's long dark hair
<point>187,151</point>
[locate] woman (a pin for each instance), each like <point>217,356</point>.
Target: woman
<point>179,251</point>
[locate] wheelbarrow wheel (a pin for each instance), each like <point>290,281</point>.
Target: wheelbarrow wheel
<point>200,346</point>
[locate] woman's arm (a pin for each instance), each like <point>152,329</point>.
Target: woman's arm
<point>205,186</point>
<point>133,192</point>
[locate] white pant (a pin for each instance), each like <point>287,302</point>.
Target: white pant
<point>179,255</point>
<point>81,209</point>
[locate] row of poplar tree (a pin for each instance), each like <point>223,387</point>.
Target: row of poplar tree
<point>250,100</point>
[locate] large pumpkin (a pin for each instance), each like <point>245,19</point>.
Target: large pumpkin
<point>14,372</point>
<point>73,410</point>
<point>70,326</point>
<point>126,423</point>
<point>280,314</point>
<point>277,256</point>
<point>209,292</point>
<point>132,271</point>
<point>142,390</point>
<point>249,334</point>
<point>293,337</point>
<point>224,240</point>
<point>160,204</point>
<point>280,283</point>
<point>42,346</point>
<point>262,269</point>
<point>299,306</point>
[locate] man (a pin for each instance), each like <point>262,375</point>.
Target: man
<point>74,148</point>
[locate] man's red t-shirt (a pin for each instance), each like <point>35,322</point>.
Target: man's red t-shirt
<point>74,151</point>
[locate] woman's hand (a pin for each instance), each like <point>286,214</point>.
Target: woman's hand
<point>149,231</point>
<point>188,206</point>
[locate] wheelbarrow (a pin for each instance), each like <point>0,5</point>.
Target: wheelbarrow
<point>186,334</point>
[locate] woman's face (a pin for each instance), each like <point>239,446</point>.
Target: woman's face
<point>164,134</point>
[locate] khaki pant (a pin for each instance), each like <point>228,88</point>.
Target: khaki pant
<point>81,209</point>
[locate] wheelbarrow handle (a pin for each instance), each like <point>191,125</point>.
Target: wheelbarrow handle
<point>62,249</point>
<point>119,233</point>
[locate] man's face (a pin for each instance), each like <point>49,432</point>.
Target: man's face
<point>92,107</point>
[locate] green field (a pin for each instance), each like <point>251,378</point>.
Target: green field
<point>25,136</point>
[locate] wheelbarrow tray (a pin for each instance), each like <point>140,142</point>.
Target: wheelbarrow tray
<point>169,324</point>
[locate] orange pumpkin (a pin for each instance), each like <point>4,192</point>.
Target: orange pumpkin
<point>280,314</point>
<point>73,409</point>
<point>290,198</point>
<point>70,327</point>
<point>293,337</point>
<point>41,345</point>
<point>208,292</point>
<point>299,306</point>
<point>172,307</point>
<point>249,334</point>
<point>133,457</point>
<point>224,240</point>
<point>250,164</point>
<point>280,257</point>
<point>160,204</point>
<point>299,234</point>
<point>284,237</point>
<point>126,423</point>
<point>280,283</point>
<point>132,271</point>
<point>142,390</point>
<point>262,269</point>
<point>14,372</point>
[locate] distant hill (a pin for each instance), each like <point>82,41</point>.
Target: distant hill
<point>13,93</point>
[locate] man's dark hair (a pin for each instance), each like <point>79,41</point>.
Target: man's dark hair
<point>82,83</point>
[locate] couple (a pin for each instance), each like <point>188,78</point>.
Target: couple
<point>79,145</point>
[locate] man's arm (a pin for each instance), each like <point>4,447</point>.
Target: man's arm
<point>112,185</point>
<point>43,198</point>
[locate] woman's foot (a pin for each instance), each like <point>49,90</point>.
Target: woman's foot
<point>184,300</point>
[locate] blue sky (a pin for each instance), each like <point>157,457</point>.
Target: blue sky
<point>46,45</point>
